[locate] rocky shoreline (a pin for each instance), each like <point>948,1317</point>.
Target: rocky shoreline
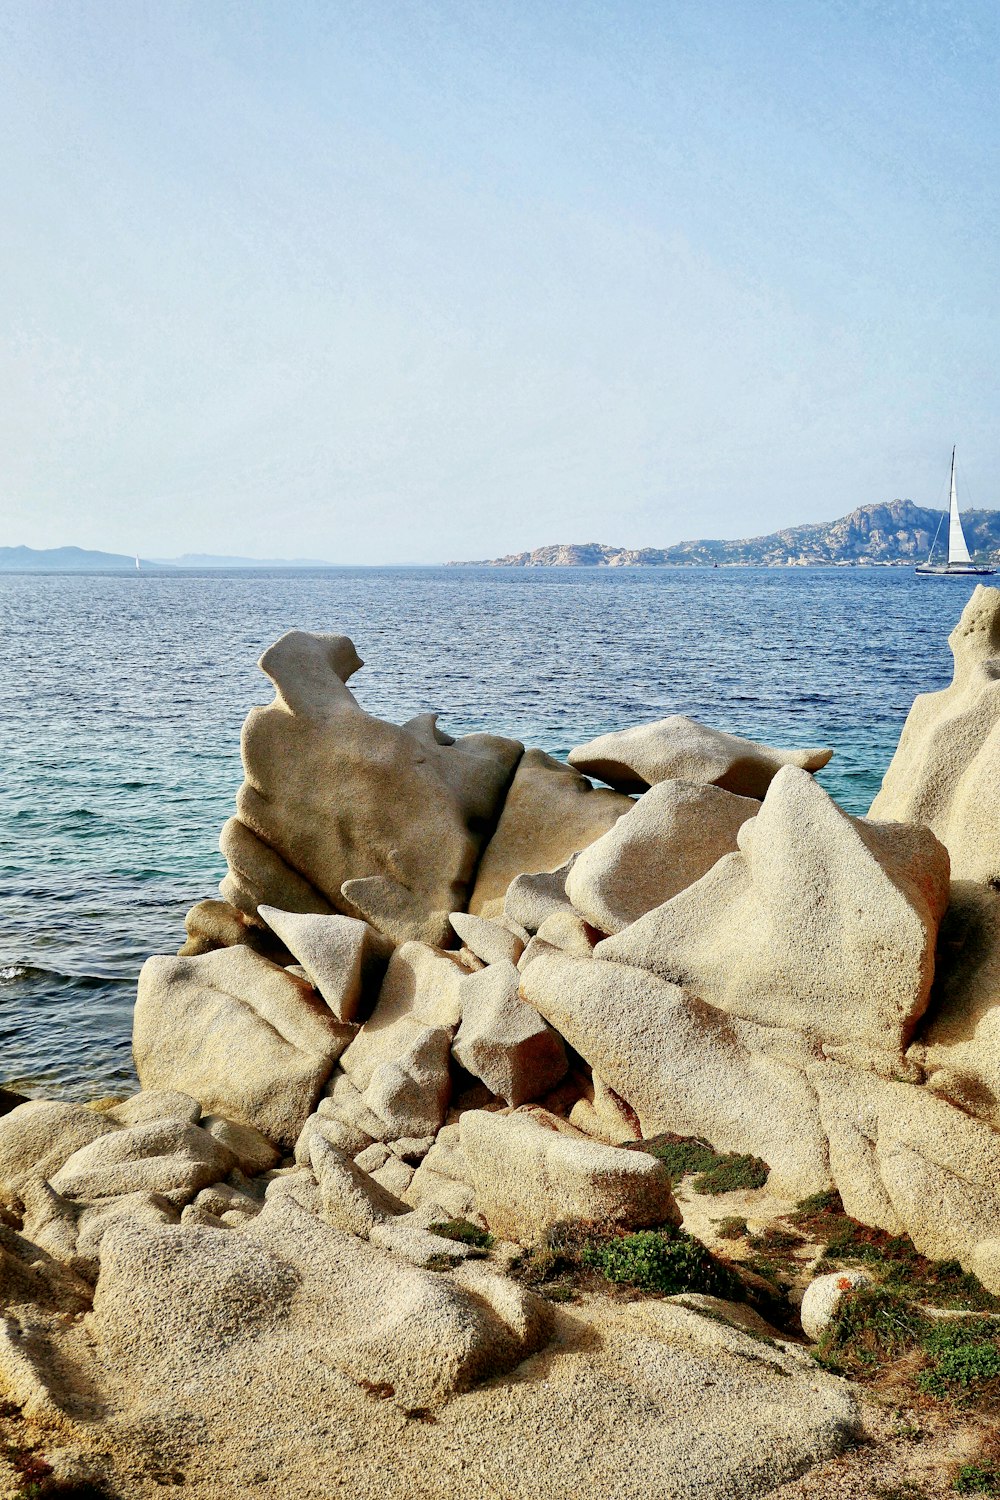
<point>416,1089</point>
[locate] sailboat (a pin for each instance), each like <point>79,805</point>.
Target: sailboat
<point>959,564</point>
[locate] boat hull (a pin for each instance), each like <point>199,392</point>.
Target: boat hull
<point>925,570</point>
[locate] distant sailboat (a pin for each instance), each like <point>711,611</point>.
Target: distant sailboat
<point>137,567</point>
<point>959,564</point>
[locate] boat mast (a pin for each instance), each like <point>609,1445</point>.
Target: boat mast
<point>958,547</point>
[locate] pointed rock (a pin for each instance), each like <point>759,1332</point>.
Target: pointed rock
<point>820,922</point>
<point>682,1066</point>
<point>344,958</point>
<point>550,813</point>
<point>671,837</point>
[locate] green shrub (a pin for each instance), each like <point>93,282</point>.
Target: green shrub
<point>658,1262</point>
<point>732,1229</point>
<point>464,1232</point>
<point>974,1479</point>
<point>965,1359</point>
<point>871,1327</point>
<point>680,1154</point>
<point>731,1172</point>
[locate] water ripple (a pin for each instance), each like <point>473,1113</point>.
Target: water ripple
<point>123,699</point>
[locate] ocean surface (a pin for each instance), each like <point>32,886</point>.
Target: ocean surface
<point>122,696</point>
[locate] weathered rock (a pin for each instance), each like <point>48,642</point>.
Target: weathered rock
<point>823,1296</point>
<point>156,1104</point>
<point>395,1176</point>
<point>681,749</point>
<point>672,836</point>
<point>175,1307</point>
<point>37,1137</point>
<point>600,1112</point>
<point>946,769</point>
<point>505,1042</point>
<point>168,1157</point>
<point>218,924</point>
<point>530,899</point>
<point>411,1092</point>
<point>683,1066</point>
<point>352,1200</point>
<point>344,958</point>
<point>421,989</point>
<point>568,931</point>
<point>551,813</point>
<point>239,1034</point>
<point>531,1171</point>
<point>904,1159</point>
<point>397,814</point>
<point>396,1073</point>
<point>490,941</point>
<point>821,922</point>
<point>958,1044</point>
<point>252,1150</point>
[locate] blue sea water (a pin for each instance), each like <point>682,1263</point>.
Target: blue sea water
<point>122,696</point>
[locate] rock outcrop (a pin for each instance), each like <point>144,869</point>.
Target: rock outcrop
<point>244,1037</point>
<point>820,922</point>
<point>681,749</point>
<point>946,769</point>
<point>327,1080</point>
<point>669,839</point>
<point>531,1171</point>
<point>336,798</point>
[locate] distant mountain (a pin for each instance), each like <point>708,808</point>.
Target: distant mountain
<point>79,560</point>
<point>66,560</point>
<point>897,532</point>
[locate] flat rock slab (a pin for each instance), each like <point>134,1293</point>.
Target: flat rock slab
<point>682,749</point>
<point>627,1399</point>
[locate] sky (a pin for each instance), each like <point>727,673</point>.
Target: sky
<point>401,283</point>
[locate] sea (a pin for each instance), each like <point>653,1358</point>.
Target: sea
<point>122,697</point>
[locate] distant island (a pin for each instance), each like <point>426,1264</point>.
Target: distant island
<point>895,533</point>
<point>82,560</point>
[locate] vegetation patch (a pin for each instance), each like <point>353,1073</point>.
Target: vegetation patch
<point>872,1327</point>
<point>732,1228</point>
<point>893,1260</point>
<point>657,1262</point>
<point>598,1258</point>
<point>463,1232</point>
<point>975,1479</point>
<point>964,1359</point>
<point>732,1172</point>
<point>713,1171</point>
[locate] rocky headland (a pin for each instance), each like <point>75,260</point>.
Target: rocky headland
<point>895,532</point>
<point>501,1134</point>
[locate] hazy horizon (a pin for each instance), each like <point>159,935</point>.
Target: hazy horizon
<point>409,284</point>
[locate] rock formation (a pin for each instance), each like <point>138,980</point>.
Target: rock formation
<point>334,797</point>
<point>327,1080</point>
<point>946,769</point>
<point>680,749</point>
<point>820,922</point>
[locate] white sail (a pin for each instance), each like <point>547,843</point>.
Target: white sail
<point>958,547</point>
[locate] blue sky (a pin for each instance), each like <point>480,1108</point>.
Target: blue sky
<point>401,283</point>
